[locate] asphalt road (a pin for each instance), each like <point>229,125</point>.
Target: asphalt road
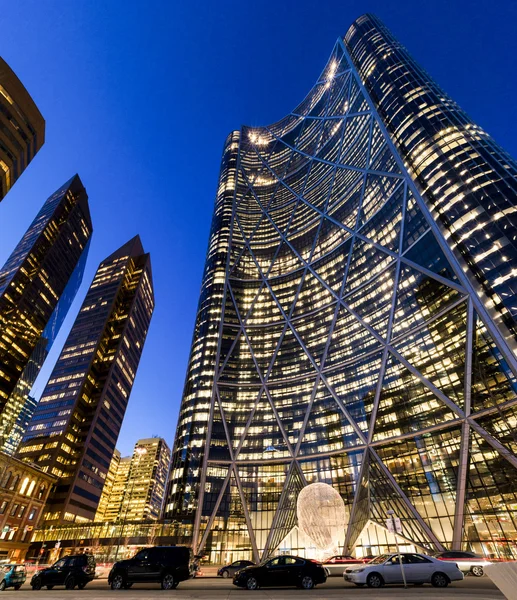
<point>207,588</point>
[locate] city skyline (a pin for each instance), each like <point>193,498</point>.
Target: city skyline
<point>250,108</point>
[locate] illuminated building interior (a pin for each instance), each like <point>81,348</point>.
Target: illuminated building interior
<point>356,322</point>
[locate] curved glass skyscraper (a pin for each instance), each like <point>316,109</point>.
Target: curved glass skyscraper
<point>356,325</point>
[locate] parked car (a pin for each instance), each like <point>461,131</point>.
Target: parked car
<point>167,565</point>
<point>230,570</point>
<point>467,562</point>
<point>369,557</point>
<point>282,571</point>
<point>70,571</point>
<point>337,564</point>
<point>418,569</point>
<point>12,576</point>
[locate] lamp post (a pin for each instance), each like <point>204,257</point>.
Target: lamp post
<point>395,525</point>
<point>139,451</point>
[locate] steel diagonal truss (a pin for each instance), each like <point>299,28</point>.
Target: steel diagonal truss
<point>353,348</point>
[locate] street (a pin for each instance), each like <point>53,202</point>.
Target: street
<point>207,588</point>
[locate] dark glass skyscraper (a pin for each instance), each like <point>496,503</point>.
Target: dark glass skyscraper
<point>38,283</point>
<point>77,422</point>
<point>22,128</point>
<point>356,326</point>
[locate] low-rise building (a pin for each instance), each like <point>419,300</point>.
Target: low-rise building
<point>24,489</point>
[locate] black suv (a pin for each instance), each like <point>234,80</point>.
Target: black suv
<point>167,565</point>
<point>70,571</point>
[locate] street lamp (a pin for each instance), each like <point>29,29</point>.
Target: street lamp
<point>394,527</point>
<point>139,451</point>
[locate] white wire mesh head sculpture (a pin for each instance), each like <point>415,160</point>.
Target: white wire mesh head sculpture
<point>321,514</point>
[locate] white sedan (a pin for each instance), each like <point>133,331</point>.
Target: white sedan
<point>418,569</point>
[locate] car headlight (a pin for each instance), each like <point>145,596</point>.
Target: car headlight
<point>357,570</point>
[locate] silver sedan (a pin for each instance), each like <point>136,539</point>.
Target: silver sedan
<point>418,569</point>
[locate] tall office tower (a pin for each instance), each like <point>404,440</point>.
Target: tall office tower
<point>356,326</point>
<point>20,426</point>
<point>145,490</point>
<point>38,283</point>
<point>22,128</point>
<point>77,422</point>
<point>107,490</point>
<point>113,502</point>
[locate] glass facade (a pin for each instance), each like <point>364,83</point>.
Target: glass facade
<point>356,325</point>
<point>146,481</point>
<point>38,284</point>
<point>22,128</point>
<point>75,427</point>
<point>135,485</point>
<point>20,426</point>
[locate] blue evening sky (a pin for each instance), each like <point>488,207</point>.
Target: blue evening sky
<point>139,96</point>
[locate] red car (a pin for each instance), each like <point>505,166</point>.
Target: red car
<point>336,564</point>
<point>467,562</point>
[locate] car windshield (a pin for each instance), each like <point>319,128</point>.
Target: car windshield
<point>380,559</point>
<point>59,564</point>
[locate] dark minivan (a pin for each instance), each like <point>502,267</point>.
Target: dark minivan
<point>167,565</point>
<point>70,571</point>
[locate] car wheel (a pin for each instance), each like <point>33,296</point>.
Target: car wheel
<point>307,582</point>
<point>252,583</point>
<point>168,582</point>
<point>225,574</point>
<point>477,570</point>
<point>2,585</point>
<point>70,583</point>
<point>439,580</point>
<point>36,583</point>
<point>117,583</point>
<point>374,580</point>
